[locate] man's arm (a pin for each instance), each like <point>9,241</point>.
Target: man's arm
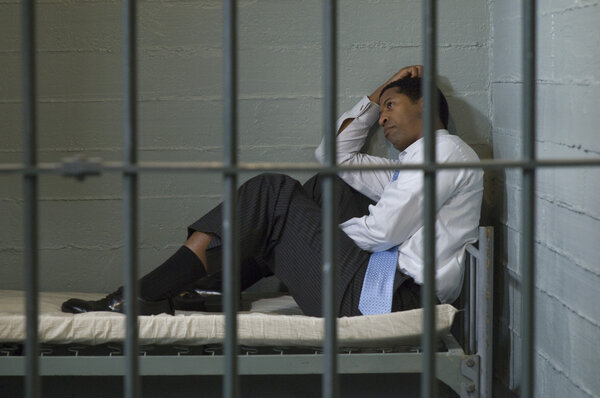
<point>368,182</point>
<point>398,214</point>
<point>356,124</point>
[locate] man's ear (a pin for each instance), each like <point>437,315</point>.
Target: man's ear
<point>421,105</point>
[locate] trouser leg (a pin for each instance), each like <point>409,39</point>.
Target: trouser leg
<point>349,204</point>
<point>251,271</point>
<point>280,223</point>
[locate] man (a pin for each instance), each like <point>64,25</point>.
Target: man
<point>380,212</point>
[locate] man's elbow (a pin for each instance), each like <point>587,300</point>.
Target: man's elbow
<point>320,154</point>
<point>380,239</point>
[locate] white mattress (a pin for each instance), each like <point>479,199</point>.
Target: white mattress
<point>255,328</point>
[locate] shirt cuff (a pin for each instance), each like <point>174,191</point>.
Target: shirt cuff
<point>365,110</point>
<point>355,231</point>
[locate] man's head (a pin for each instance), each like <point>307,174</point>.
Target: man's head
<point>401,107</point>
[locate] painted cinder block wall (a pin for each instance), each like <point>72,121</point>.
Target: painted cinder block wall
<point>567,352</point>
<point>180,110</point>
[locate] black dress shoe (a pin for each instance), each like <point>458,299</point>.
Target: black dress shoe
<point>115,302</point>
<point>198,299</point>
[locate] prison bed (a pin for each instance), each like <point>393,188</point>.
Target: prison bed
<point>274,337</point>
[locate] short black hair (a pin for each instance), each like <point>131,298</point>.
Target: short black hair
<point>411,87</point>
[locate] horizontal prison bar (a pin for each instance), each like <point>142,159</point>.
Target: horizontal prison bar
<point>96,167</point>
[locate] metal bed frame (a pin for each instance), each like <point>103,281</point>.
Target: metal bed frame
<point>467,370</point>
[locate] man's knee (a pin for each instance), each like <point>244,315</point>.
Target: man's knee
<point>312,182</point>
<point>272,179</point>
<point>315,183</point>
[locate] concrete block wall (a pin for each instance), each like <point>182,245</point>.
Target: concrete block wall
<point>180,109</point>
<point>567,351</point>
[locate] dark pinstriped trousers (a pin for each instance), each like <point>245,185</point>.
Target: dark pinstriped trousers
<point>280,232</point>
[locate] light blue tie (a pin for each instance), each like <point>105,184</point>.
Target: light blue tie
<point>378,285</point>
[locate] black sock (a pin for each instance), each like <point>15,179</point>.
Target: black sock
<point>182,268</point>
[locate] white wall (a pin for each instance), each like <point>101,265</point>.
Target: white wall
<point>567,351</point>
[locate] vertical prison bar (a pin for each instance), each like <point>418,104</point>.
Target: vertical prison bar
<point>330,385</point>
<point>528,200</point>
<point>230,236</point>
<point>130,178</point>
<point>30,194</point>
<point>428,381</point>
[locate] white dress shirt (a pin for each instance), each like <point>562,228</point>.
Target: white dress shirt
<point>397,218</point>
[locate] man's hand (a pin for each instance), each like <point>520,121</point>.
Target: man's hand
<point>407,71</point>
<point>412,71</point>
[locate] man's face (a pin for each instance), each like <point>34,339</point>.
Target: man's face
<point>401,118</point>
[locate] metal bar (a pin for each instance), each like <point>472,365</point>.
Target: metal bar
<point>330,383</point>
<point>472,304</point>
<point>230,235</point>
<point>132,383</point>
<point>30,195</point>
<point>465,304</point>
<point>484,308</point>
<point>448,365</point>
<point>187,365</point>
<point>428,380</point>
<point>253,167</point>
<point>528,201</point>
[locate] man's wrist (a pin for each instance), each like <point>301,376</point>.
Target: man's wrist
<point>374,97</point>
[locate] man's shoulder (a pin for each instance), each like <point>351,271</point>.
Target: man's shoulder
<point>453,148</point>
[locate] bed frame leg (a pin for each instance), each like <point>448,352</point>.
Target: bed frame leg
<point>470,369</point>
<point>484,308</point>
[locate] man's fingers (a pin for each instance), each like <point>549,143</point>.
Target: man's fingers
<point>403,73</point>
<point>409,71</point>
<point>415,71</point>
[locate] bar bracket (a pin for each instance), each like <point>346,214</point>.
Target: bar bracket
<point>469,368</point>
<point>80,166</point>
